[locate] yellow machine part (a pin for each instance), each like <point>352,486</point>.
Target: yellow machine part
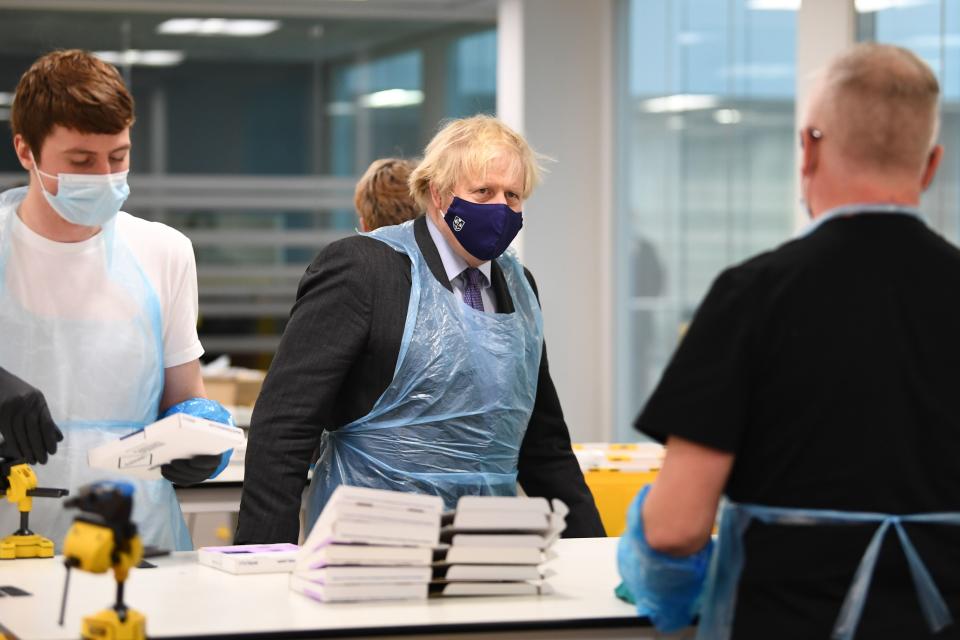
<point>90,546</point>
<point>32,546</point>
<point>129,559</point>
<point>106,625</point>
<point>613,491</point>
<point>21,479</point>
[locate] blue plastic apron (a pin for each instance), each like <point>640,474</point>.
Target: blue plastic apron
<point>99,364</point>
<point>719,602</point>
<point>452,420</point>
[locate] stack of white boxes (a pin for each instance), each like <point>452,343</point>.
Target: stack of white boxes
<point>370,544</point>
<point>497,546</point>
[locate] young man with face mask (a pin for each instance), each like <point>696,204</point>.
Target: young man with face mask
<point>414,356</point>
<point>98,308</point>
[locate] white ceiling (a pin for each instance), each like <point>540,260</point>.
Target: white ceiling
<point>433,10</point>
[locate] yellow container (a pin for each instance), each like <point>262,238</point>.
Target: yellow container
<point>614,490</point>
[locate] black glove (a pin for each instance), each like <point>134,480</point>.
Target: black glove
<point>26,426</point>
<point>187,471</point>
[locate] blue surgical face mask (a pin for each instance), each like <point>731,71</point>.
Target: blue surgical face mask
<point>484,230</point>
<point>86,200</point>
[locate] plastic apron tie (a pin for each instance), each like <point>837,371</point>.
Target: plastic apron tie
<point>716,620</point>
<point>452,419</point>
<point>97,358</point>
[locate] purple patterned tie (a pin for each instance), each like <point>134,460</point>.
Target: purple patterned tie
<point>471,292</point>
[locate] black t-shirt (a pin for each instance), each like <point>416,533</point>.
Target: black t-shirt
<point>830,368</point>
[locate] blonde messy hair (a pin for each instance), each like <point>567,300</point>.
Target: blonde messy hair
<point>466,147</point>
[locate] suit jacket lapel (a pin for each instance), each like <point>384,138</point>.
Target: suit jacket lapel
<point>501,291</point>
<point>429,250</point>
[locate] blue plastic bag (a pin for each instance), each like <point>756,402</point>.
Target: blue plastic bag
<point>209,410</point>
<point>664,588</point>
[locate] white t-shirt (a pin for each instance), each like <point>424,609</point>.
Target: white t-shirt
<point>165,255</point>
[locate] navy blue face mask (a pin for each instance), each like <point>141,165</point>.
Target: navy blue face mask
<point>484,230</point>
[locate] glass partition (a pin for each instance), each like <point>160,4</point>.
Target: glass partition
<point>706,165</point>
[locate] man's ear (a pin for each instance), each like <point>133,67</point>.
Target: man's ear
<point>435,198</point>
<point>23,152</point>
<point>810,151</point>
<point>933,163</point>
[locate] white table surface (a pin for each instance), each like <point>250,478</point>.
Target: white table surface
<point>181,598</point>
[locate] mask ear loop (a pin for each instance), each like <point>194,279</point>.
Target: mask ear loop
<point>41,175</point>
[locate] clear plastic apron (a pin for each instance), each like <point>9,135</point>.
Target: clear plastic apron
<point>453,418</point>
<point>719,602</point>
<point>99,364</point>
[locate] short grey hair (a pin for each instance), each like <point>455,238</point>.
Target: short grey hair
<point>880,103</point>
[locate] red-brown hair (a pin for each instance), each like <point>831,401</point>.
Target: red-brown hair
<point>73,89</point>
<point>382,197</point>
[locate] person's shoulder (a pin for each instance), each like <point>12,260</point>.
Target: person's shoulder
<point>359,248</point>
<point>529,276</point>
<point>356,266</point>
<point>361,243</point>
<point>822,247</point>
<point>9,201</point>
<point>504,263</point>
<point>926,241</point>
<point>152,233</point>
<point>361,254</point>
<point>757,275</point>
<point>787,257</point>
<point>161,232</point>
<point>150,239</point>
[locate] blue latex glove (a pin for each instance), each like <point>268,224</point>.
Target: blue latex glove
<point>664,588</point>
<point>201,465</point>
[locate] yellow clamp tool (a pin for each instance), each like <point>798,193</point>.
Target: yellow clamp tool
<point>98,543</point>
<point>21,488</point>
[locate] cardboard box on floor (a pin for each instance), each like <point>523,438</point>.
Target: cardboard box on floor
<point>234,387</point>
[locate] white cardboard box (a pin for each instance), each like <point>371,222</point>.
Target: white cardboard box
<point>141,453</point>
<point>250,558</point>
<point>376,516</point>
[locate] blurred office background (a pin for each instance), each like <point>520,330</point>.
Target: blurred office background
<point>671,123</point>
